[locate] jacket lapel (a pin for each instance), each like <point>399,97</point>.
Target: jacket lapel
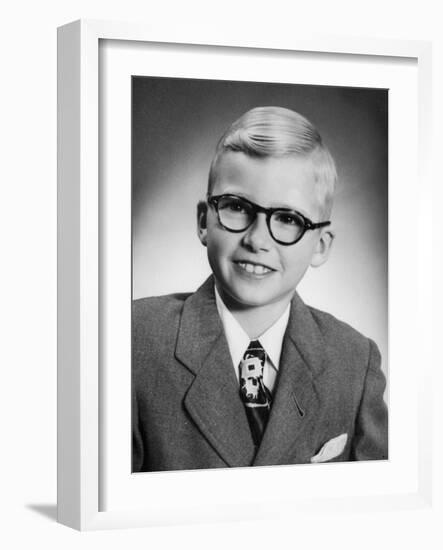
<point>213,399</point>
<point>296,397</point>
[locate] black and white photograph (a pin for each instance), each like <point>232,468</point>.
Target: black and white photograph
<point>221,279</point>
<point>259,274</point>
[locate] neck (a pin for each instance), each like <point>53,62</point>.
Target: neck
<point>255,320</point>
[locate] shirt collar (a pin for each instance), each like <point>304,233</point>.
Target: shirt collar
<point>238,340</point>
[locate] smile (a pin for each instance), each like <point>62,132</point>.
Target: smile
<point>255,269</point>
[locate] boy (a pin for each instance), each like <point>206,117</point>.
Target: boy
<point>242,372</point>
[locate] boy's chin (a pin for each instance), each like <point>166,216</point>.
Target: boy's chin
<point>251,300</point>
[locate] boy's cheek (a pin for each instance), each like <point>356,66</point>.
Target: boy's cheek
<point>219,250</point>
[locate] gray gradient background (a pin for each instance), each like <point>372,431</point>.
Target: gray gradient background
<point>175,127</point>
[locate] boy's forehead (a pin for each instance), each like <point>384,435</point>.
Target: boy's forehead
<point>287,181</point>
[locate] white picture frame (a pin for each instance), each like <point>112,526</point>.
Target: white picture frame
<point>81,388</point>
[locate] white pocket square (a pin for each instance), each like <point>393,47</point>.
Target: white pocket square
<point>331,449</point>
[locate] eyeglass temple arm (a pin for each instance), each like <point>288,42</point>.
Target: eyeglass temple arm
<point>311,225</point>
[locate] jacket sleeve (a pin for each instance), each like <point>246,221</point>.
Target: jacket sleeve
<point>370,440</point>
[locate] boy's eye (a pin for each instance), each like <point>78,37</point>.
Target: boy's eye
<point>236,206</point>
<point>286,218</point>
<point>233,205</point>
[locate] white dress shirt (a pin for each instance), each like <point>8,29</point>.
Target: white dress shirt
<point>238,341</point>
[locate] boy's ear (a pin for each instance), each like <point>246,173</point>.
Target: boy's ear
<point>202,212</point>
<point>323,248</point>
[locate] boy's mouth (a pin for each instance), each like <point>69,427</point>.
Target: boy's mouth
<point>253,268</point>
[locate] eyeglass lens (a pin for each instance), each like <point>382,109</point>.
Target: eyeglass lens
<point>237,215</point>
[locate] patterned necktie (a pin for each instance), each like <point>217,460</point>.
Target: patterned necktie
<point>255,395</point>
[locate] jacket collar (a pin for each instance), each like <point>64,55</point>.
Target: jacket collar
<point>213,399</point>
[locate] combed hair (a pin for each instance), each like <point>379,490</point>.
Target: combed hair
<point>279,132</point>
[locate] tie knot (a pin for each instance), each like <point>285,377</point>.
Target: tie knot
<point>254,345</point>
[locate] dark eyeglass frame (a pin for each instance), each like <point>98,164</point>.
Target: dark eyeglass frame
<point>307,225</point>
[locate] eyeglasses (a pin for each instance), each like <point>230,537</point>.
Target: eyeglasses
<point>237,214</point>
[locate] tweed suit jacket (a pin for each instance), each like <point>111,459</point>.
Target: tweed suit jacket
<point>187,410</point>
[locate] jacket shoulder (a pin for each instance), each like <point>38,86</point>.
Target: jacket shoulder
<point>158,307</point>
<point>155,321</point>
<point>340,335</point>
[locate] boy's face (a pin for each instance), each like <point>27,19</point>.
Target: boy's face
<point>235,258</point>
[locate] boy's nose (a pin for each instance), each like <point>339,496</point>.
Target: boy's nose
<point>257,237</point>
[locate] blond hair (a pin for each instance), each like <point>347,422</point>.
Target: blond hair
<point>279,132</point>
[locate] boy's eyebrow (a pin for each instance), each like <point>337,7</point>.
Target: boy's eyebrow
<point>276,205</point>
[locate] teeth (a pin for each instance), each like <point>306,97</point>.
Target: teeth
<point>256,269</point>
